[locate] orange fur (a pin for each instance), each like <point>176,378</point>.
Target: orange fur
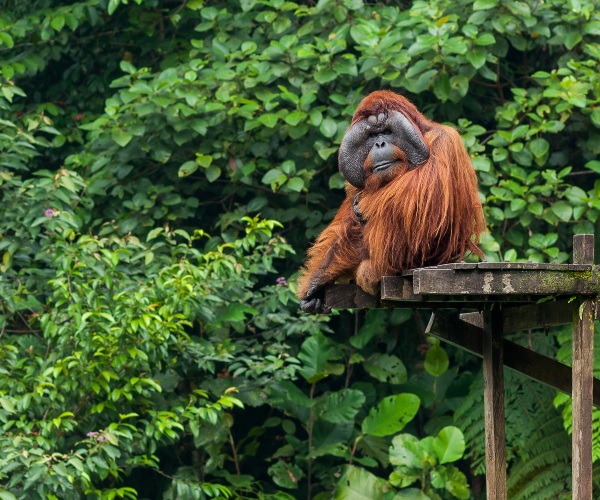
<point>421,217</point>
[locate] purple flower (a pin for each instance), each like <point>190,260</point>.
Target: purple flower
<point>49,212</point>
<point>281,281</point>
<point>98,436</point>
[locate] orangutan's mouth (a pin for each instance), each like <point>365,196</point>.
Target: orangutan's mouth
<point>383,166</point>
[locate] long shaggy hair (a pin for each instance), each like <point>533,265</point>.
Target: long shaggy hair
<point>409,217</point>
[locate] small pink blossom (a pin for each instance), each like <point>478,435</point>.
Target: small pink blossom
<point>49,212</point>
<point>99,436</point>
<point>281,281</point>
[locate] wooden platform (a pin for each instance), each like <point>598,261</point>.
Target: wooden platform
<point>510,297</point>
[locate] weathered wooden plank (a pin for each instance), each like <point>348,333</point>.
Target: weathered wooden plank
<point>583,249</point>
<point>348,296</point>
<point>533,266</point>
<point>583,363</point>
<point>452,329</point>
<point>583,366</point>
<point>493,401</point>
<point>495,282</point>
<point>460,266</point>
<point>398,288</point>
<point>506,266</point>
<point>530,316</point>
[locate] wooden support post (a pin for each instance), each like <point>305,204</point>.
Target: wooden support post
<point>493,397</point>
<point>583,372</point>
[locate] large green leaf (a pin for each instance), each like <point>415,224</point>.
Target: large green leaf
<point>314,354</point>
<point>449,444</point>
<point>539,147</point>
<point>121,137</point>
<point>328,127</point>
<point>328,437</point>
<point>406,451</point>
<point>237,312</point>
<point>268,120</point>
<point>341,406</point>
<point>436,361</point>
<point>188,168</point>
<point>285,474</point>
<point>357,483</point>
<point>593,165</point>
<point>456,483</point>
<point>563,210</point>
<point>391,415</point>
<point>386,368</point>
<point>408,458</point>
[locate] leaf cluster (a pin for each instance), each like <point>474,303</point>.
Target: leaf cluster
<point>164,165</point>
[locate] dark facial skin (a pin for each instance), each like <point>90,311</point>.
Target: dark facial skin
<point>379,142</point>
<point>385,160</point>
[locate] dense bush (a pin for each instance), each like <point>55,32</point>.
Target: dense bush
<point>163,167</point>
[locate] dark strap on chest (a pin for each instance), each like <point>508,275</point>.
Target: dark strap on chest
<point>356,210</point>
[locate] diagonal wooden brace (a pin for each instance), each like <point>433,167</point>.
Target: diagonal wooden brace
<point>447,326</point>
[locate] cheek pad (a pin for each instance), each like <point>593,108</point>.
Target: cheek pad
<point>355,148</point>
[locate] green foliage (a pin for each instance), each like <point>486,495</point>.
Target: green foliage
<point>357,483</point>
<point>112,347</point>
<point>413,460</point>
<point>436,360</point>
<point>391,415</point>
<point>545,468</point>
<point>564,402</point>
<point>523,399</point>
<point>160,163</point>
<point>423,460</point>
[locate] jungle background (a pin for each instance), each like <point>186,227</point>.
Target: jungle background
<point>164,164</point>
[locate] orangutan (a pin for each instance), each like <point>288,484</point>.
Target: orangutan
<point>411,201</point>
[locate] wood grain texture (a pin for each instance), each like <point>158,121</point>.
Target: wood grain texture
<point>396,291</point>
<point>505,282</point>
<point>400,288</point>
<point>583,366</point>
<point>493,400</point>
<point>531,316</point>
<point>347,296</point>
<point>533,266</point>
<point>583,249</point>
